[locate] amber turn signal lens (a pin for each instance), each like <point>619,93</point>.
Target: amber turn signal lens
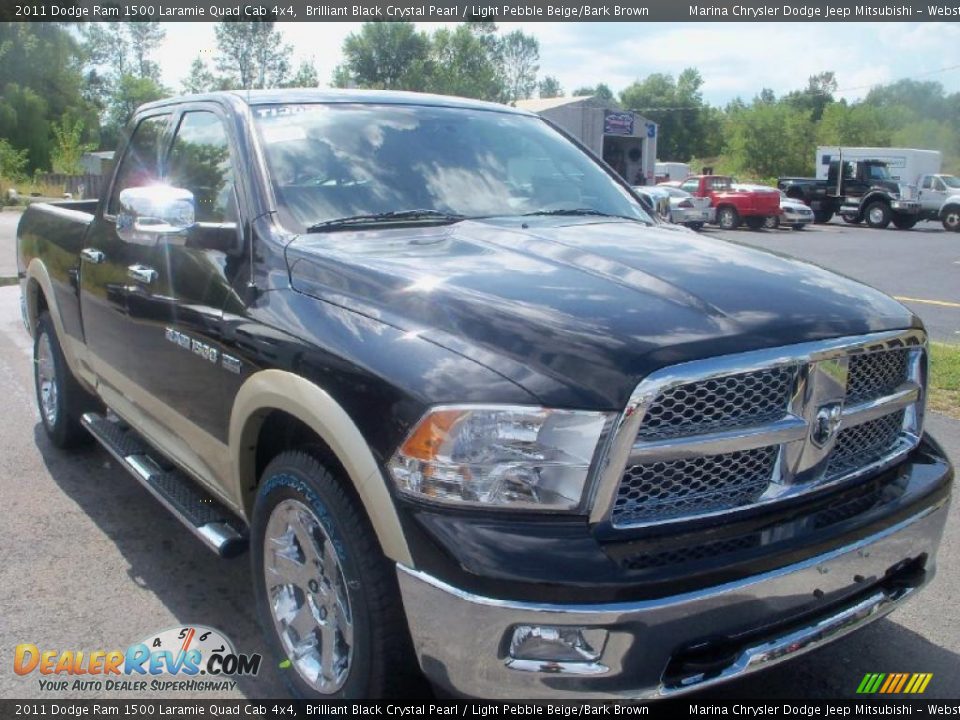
<point>430,434</point>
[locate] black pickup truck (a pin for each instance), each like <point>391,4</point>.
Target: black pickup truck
<point>473,412</point>
<point>865,193</point>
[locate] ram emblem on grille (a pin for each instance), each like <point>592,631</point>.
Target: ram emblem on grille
<point>827,424</point>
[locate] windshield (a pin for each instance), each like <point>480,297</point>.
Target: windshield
<point>878,172</point>
<point>341,160</point>
<point>950,181</point>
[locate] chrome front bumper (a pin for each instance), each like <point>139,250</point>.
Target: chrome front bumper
<point>462,640</point>
<point>907,206</point>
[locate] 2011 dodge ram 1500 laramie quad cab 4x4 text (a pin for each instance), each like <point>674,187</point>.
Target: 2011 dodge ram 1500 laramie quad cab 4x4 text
<point>473,411</point>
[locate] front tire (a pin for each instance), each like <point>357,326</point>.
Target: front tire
<point>853,219</point>
<point>327,596</point>
<point>60,398</point>
<point>696,226</point>
<point>799,227</point>
<point>877,215</point>
<point>951,219</point>
<point>822,216</point>
<point>772,222</point>
<point>904,222</point>
<point>728,218</point>
<point>756,223</point>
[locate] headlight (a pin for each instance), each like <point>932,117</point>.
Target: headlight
<point>508,456</point>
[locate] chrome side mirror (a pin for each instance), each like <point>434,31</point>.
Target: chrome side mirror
<point>155,213</point>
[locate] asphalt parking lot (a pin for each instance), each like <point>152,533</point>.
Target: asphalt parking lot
<point>91,561</point>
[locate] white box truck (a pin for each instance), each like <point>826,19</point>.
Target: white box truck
<point>905,165</point>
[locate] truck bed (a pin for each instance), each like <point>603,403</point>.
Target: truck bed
<point>54,233</point>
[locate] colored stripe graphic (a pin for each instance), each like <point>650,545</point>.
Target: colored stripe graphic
<point>894,683</point>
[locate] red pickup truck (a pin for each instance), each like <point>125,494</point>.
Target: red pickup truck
<point>733,207</point>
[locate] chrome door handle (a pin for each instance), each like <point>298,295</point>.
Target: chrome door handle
<point>92,255</point>
<point>142,273</point>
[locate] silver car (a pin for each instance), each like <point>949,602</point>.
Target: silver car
<point>793,213</point>
<point>685,209</point>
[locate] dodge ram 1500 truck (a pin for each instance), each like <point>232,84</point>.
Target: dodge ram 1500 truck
<point>474,413</point>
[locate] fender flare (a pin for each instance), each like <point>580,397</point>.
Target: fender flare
<point>269,390</point>
<point>871,197</point>
<point>38,281</point>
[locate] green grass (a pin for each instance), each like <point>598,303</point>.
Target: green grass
<point>945,379</point>
<point>4,281</point>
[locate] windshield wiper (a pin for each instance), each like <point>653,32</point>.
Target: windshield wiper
<point>584,212</point>
<point>385,217</point>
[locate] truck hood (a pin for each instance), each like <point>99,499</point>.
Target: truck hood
<point>577,311</point>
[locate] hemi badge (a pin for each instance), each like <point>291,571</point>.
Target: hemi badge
<point>230,363</point>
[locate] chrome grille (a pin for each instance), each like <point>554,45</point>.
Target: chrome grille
<point>874,375</point>
<point>731,401</point>
<point>695,485</point>
<point>718,435</point>
<point>864,444</point>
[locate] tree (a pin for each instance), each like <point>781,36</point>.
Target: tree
<point>252,54</point>
<point>145,38</point>
<point>120,72</point>
<point>518,55</point>
<point>687,127</point>
<point>41,79</point>
<point>305,77</point>
<point>549,87</point>
<point>462,65</point>
<point>200,79</point>
<point>769,139</point>
<point>129,93</point>
<point>391,56</point>
<point>13,163</point>
<point>601,91</point>
<point>816,96</point>
<point>68,146</point>
<point>859,124</point>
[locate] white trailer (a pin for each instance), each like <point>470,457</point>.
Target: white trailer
<point>906,165</point>
<point>671,171</point>
<point>624,139</point>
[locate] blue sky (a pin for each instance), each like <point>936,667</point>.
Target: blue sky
<point>735,59</point>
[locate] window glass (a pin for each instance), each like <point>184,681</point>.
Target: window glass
<point>951,181</point>
<point>939,186</point>
<point>926,184</point>
<point>139,164</point>
<point>199,161</point>
<point>691,186</point>
<point>334,161</point>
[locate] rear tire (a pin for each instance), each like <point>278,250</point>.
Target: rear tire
<point>853,219</point>
<point>951,218</point>
<point>60,398</point>
<point>327,597</point>
<point>904,222</point>
<point>799,227</point>
<point>698,226</point>
<point>878,215</point>
<point>822,216</point>
<point>755,223</point>
<point>728,218</point>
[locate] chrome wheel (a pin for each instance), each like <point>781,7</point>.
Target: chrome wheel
<point>47,381</point>
<point>308,596</point>
<point>876,215</point>
<point>951,220</point>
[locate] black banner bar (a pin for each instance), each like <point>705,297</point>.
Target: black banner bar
<point>667,709</point>
<point>514,10</point>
